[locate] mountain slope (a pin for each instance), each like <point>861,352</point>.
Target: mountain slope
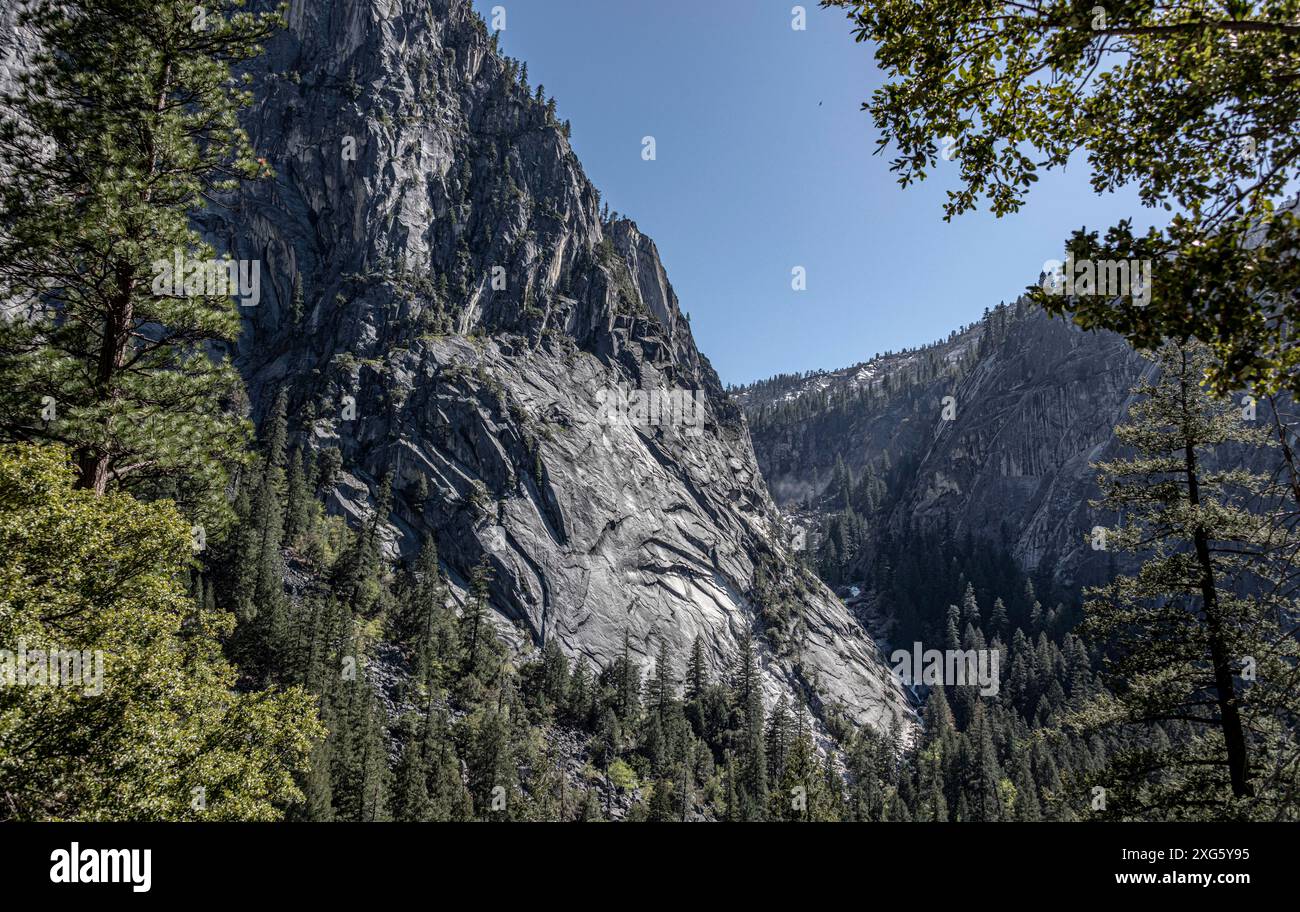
<point>463,309</point>
<point>990,432</point>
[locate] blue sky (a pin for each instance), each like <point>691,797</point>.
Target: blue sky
<point>764,163</point>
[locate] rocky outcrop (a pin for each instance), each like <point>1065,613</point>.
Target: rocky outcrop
<point>442,300</point>
<point>991,432</point>
<point>1031,420</point>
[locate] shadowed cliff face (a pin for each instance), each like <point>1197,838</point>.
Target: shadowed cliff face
<point>1016,463</point>
<point>465,314</point>
<point>1034,402</point>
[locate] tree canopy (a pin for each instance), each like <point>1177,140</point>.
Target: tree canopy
<point>1192,102</point>
<point>124,125</point>
<point>158,732</point>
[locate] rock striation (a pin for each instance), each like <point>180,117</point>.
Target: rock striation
<point>991,432</point>
<point>443,300</point>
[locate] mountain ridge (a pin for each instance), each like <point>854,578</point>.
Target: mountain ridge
<point>992,432</point>
<point>485,391</point>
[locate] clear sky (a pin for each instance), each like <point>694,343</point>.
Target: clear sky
<point>763,163</point>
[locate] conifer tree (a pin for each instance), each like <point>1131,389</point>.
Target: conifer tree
<point>296,306</point>
<point>970,609</point>
<point>627,683</point>
<point>426,619</point>
<point>749,702</point>
<point>105,574</point>
<point>448,797</point>
<point>662,686</point>
<point>123,125</point>
<point>300,508</point>
<point>474,624</point>
<point>318,803</point>
<point>778,743</point>
<point>374,775</point>
<point>1000,620</point>
<point>1027,809</point>
<point>411,790</point>
<point>696,671</point>
<point>579,693</point>
<point>1192,640</point>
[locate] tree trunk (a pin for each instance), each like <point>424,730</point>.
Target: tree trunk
<point>1288,454</point>
<point>92,471</point>
<point>1229,714</point>
<point>119,313</point>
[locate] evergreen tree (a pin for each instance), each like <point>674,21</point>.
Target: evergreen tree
<point>124,124</point>
<point>474,622</point>
<point>749,701</point>
<point>1193,641</point>
<point>300,509</point>
<point>697,675</point>
<point>662,686</point>
<point>1027,808</point>
<point>426,619</point>
<point>1000,621</point>
<point>297,310</point>
<point>627,685</point>
<point>411,792</point>
<point>778,744</point>
<point>105,574</point>
<point>970,609</point>
<point>579,694</point>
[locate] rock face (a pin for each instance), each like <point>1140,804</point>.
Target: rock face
<point>1033,402</point>
<point>442,300</point>
<point>15,46</point>
<point>1032,418</point>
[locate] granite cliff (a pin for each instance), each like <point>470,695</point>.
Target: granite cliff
<point>989,432</point>
<point>443,300</point>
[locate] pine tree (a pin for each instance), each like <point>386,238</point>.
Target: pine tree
<point>300,508</point>
<point>411,792</point>
<point>1027,809</point>
<point>952,630</point>
<point>749,700</point>
<point>491,781</point>
<point>778,743</point>
<point>982,772</point>
<point>662,686</point>
<point>802,791</point>
<point>426,619</point>
<point>297,309</point>
<point>932,804</point>
<point>970,609</point>
<point>579,693</point>
<point>1193,641</point>
<point>270,605</point>
<point>627,683</point>
<point>832,791</point>
<point>373,780</point>
<point>125,123</point>
<point>275,436</point>
<point>474,623</point>
<point>356,575</point>
<point>318,805</point>
<point>697,674</point>
<point>1000,620</point>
